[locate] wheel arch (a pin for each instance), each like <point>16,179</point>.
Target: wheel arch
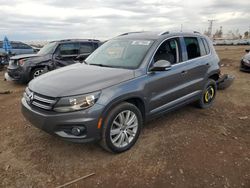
<point>135,100</point>
<point>214,76</point>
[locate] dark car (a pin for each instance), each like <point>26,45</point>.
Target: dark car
<point>245,62</point>
<point>126,82</point>
<point>56,54</point>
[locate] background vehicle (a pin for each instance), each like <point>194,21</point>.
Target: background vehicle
<point>18,48</point>
<point>14,48</point>
<point>245,62</point>
<point>127,81</point>
<point>56,54</point>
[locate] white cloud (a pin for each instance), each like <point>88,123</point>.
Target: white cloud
<point>55,19</point>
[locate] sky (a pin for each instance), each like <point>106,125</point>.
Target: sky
<point>103,19</point>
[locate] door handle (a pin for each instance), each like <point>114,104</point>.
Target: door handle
<point>208,64</point>
<point>184,72</point>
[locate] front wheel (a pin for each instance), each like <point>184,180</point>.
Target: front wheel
<point>121,128</point>
<point>208,94</point>
<point>37,72</point>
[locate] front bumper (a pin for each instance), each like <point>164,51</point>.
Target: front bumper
<point>17,75</point>
<point>61,124</point>
<point>244,66</point>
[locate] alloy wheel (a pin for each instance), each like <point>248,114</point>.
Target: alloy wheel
<point>124,128</point>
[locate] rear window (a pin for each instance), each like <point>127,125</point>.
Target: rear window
<point>86,47</point>
<point>202,48</point>
<point>192,46</point>
<point>204,41</point>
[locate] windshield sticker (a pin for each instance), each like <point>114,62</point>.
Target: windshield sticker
<point>141,42</point>
<point>115,52</point>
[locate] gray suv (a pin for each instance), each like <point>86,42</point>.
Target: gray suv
<point>126,82</point>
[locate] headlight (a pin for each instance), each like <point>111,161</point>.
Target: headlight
<point>246,61</point>
<point>21,62</point>
<point>74,103</point>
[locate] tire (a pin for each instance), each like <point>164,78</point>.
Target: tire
<point>128,132</point>
<point>208,95</point>
<point>36,72</point>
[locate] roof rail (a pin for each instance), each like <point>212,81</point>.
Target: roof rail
<point>130,33</point>
<point>164,33</point>
<point>197,32</point>
<point>75,40</point>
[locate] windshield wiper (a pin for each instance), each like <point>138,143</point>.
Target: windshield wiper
<point>83,61</point>
<point>101,65</point>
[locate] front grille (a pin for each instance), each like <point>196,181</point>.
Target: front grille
<point>40,101</point>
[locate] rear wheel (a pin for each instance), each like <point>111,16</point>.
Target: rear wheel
<point>121,128</point>
<point>208,94</point>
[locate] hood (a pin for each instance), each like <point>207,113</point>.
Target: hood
<point>78,79</point>
<point>34,58</point>
<point>16,57</point>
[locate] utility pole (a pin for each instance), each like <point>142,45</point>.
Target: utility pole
<point>249,32</point>
<point>210,28</point>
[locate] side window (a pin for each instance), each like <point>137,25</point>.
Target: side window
<point>169,51</point>
<point>202,48</point>
<point>206,45</point>
<point>68,49</point>
<point>1,44</point>
<point>24,46</point>
<point>86,47</point>
<point>14,45</point>
<point>192,46</point>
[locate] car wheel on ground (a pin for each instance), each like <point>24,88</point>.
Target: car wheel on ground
<point>121,128</point>
<point>37,72</point>
<point>208,94</point>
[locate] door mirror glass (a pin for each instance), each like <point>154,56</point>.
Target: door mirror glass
<point>161,65</point>
<point>247,50</point>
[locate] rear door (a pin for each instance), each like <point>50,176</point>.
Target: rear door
<point>15,48</point>
<point>196,64</point>
<point>86,48</point>
<point>26,49</point>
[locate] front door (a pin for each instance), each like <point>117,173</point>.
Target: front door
<point>164,88</point>
<point>66,54</point>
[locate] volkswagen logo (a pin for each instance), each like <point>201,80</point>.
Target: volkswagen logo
<point>30,97</point>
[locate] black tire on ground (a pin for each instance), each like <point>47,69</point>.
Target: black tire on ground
<point>106,141</point>
<point>208,95</point>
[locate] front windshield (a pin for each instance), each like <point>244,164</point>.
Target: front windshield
<point>121,53</point>
<point>47,49</point>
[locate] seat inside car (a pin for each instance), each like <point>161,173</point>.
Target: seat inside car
<point>165,53</point>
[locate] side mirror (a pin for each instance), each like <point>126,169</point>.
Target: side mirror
<point>247,50</point>
<point>161,65</point>
<point>59,57</point>
<point>82,57</point>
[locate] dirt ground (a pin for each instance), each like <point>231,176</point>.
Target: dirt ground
<point>189,147</point>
